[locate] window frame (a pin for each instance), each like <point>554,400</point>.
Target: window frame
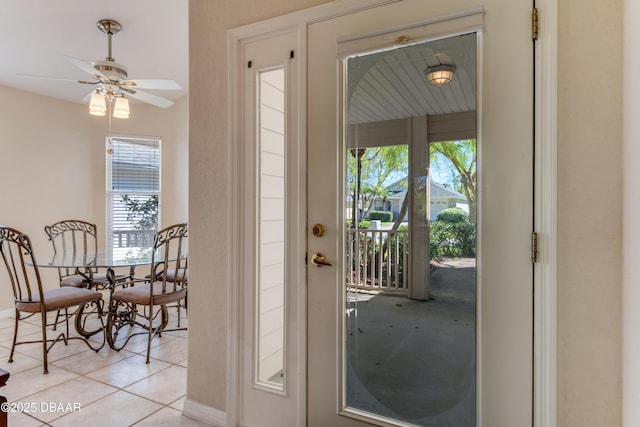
<point>152,141</point>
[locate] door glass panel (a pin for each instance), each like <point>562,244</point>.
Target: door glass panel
<point>271,234</point>
<point>410,194</point>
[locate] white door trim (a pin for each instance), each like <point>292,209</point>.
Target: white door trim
<point>545,275</point>
<point>546,213</point>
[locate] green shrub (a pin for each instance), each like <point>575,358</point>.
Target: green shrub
<point>383,216</point>
<point>364,224</point>
<point>452,239</point>
<point>361,224</point>
<point>452,215</point>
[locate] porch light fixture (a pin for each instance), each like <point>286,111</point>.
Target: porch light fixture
<point>440,75</point>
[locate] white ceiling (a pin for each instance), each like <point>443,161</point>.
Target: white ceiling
<point>35,34</point>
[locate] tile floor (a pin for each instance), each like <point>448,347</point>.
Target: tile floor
<point>107,388</point>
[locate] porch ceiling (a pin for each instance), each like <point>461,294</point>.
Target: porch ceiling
<point>391,84</point>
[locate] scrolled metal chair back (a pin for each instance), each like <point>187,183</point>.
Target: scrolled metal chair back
<point>170,252</point>
<point>73,239</point>
<point>19,260</point>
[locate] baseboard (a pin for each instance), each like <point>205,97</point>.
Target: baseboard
<point>203,413</point>
<point>9,312</point>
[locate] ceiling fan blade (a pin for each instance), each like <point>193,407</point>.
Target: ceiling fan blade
<point>159,84</point>
<point>149,98</point>
<point>88,68</point>
<point>62,79</point>
<point>33,76</point>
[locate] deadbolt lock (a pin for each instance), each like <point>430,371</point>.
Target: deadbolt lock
<point>318,230</point>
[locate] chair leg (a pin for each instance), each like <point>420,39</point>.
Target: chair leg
<point>150,336</point>
<point>15,336</point>
<point>66,321</point>
<point>186,310</point>
<point>111,327</point>
<point>55,324</point>
<point>44,341</point>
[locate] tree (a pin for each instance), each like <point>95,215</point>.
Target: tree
<point>142,212</point>
<point>462,156</point>
<point>370,170</point>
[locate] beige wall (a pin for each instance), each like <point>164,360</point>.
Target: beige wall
<point>209,179</point>
<point>53,165</point>
<point>589,213</point>
<point>41,178</point>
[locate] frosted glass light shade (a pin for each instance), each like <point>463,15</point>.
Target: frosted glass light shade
<point>121,108</point>
<point>97,106</point>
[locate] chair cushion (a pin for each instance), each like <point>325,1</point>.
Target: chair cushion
<point>56,299</point>
<point>76,280</point>
<point>182,276</point>
<point>79,281</point>
<point>177,275</point>
<point>140,294</point>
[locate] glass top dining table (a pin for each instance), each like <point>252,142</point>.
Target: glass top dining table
<point>106,261</point>
<point>89,265</point>
<point>99,260</point>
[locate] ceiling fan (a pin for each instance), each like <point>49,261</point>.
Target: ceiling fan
<point>111,78</point>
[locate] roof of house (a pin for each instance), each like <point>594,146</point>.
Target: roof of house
<point>437,191</point>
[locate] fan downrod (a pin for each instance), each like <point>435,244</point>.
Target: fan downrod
<point>109,67</point>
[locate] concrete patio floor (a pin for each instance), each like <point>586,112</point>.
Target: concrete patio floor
<point>415,360</point>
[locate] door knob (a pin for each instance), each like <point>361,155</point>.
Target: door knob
<point>319,260</point>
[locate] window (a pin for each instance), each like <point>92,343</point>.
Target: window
<point>133,194</point>
<point>272,216</point>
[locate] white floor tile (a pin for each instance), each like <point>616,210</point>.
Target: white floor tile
<point>115,410</point>
<point>106,388</point>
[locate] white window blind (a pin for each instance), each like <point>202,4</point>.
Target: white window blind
<point>133,194</point>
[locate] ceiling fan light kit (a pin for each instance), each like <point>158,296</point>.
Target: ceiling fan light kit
<point>112,84</point>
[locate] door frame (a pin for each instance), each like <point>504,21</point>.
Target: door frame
<point>545,198</point>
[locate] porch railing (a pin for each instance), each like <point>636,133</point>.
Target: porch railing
<point>377,259</point>
<point>133,238</point>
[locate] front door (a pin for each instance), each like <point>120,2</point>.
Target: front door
<point>474,366</point>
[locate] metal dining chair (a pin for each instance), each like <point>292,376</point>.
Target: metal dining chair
<point>30,298</point>
<point>78,239</point>
<point>75,238</point>
<point>180,277</point>
<point>145,305</point>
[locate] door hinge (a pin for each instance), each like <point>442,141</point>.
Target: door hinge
<point>534,247</point>
<point>534,24</point>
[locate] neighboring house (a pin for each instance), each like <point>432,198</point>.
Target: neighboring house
<point>440,197</point>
